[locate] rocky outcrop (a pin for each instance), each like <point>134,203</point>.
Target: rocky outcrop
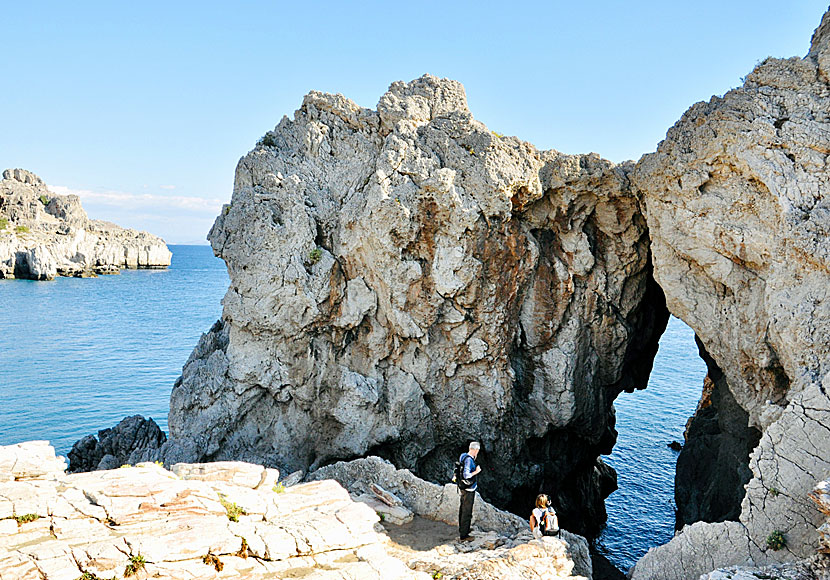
<point>404,280</point>
<point>229,521</point>
<point>133,440</point>
<point>738,220</point>
<point>43,235</point>
<point>712,468</point>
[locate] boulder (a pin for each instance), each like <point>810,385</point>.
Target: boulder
<point>132,440</point>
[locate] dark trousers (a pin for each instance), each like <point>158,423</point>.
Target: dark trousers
<point>465,513</point>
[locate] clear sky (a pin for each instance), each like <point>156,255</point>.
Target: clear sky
<point>144,108</point>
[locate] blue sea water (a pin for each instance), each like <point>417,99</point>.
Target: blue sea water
<point>77,355</point>
<point>641,511</point>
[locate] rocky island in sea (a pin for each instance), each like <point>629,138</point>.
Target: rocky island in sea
<point>404,279</point>
<point>44,235</point>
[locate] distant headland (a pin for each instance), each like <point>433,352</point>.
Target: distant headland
<point>44,235</point>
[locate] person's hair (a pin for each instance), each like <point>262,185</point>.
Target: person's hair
<point>475,445</point>
<point>542,501</point>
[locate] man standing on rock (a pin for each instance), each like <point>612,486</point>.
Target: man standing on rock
<point>467,485</point>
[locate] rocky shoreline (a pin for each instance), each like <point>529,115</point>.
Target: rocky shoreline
<point>44,235</point>
<point>238,520</point>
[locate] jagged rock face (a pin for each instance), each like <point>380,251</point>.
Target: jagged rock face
<point>134,439</point>
<point>738,217</point>
<point>404,280</point>
<point>43,235</point>
<point>712,468</point>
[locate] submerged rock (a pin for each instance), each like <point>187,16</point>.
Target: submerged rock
<point>44,235</point>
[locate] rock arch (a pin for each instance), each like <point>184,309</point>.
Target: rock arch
<point>404,280</point>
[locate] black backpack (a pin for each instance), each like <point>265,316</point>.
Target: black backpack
<point>458,474</point>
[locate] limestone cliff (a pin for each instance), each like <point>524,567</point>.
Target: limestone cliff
<point>738,217</point>
<point>43,235</point>
<point>404,280</point>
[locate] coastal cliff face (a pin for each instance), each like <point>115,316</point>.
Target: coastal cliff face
<point>405,280</point>
<point>43,235</point>
<point>738,216</point>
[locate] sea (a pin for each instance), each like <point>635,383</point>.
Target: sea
<point>78,354</point>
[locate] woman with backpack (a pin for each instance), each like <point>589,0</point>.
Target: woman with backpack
<point>543,520</point>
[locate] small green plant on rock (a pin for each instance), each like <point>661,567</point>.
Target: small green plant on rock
<point>773,491</point>
<point>499,135</point>
<point>279,488</point>
<point>233,510</point>
<point>4,223</point>
<point>136,563</point>
<point>21,230</point>
<point>44,200</point>
<point>268,140</point>
<point>26,518</point>
<point>315,255</point>
<point>776,540</point>
<point>88,576</point>
<point>437,575</point>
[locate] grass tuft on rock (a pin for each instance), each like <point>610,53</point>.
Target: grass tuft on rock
<point>21,230</point>
<point>776,540</point>
<point>315,256</point>
<point>136,564</point>
<point>4,223</point>
<point>26,518</point>
<point>268,140</point>
<point>233,510</point>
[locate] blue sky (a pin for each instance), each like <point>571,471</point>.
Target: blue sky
<point>144,108</point>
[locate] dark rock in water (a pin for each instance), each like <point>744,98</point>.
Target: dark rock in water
<point>675,446</point>
<point>713,467</point>
<point>133,440</point>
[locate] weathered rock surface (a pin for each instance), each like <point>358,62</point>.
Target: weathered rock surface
<point>739,220</point>
<point>712,468</point>
<point>225,521</point>
<point>44,235</point>
<point>133,440</point>
<point>440,503</point>
<point>404,280</point>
